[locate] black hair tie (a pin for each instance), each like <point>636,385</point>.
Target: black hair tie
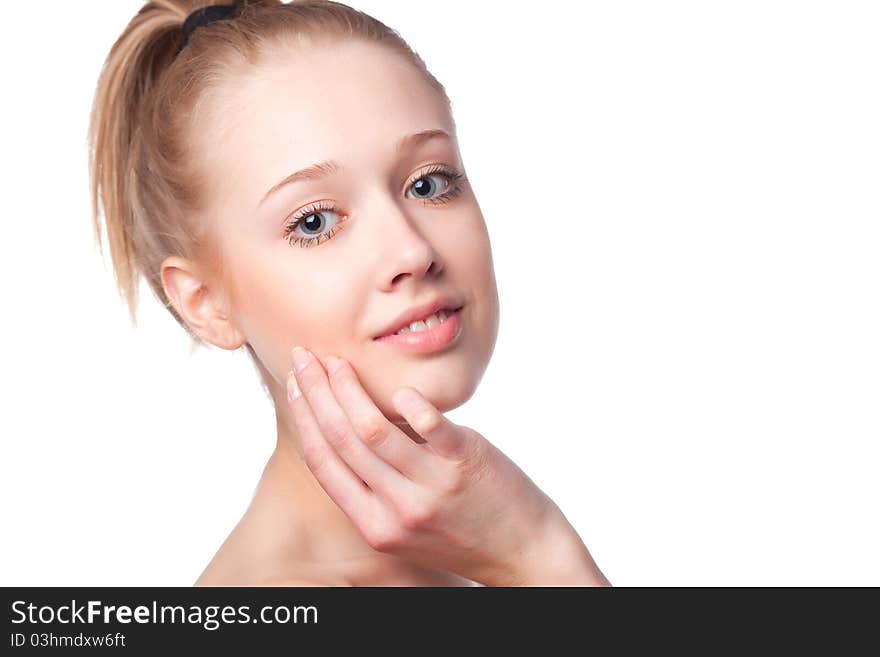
<point>204,16</point>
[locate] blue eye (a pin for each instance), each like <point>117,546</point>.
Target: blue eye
<point>313,218</point>
<point>453,179</point>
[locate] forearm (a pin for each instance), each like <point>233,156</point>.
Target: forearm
<point>556,556</point>
<point>574,566</point>
<point>562,560</point>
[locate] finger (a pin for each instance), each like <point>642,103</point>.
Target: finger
<point>342,485</point>
<point>443,436</point>
<point>339,432</point>
<point>374,429</point>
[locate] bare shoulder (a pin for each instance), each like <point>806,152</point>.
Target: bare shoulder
<point>252,556</point>
<point>250,577</point>
<point>257,570</point>
<point>232,567</point>
<point>296,582</point>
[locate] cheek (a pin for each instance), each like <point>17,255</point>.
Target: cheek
<point>472,253</point>
<point>285,303</point>
<point>262,314</point>
<point>472,264</point>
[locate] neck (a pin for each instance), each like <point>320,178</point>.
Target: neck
<point>301,508</point>
<point>305,523</point>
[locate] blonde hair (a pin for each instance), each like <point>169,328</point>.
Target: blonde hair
<point>147,105</point>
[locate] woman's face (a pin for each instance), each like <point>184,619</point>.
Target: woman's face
<point>381,231</point>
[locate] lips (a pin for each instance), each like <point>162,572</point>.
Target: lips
<point>420,312</point>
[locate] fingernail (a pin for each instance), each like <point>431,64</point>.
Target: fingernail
<point>300,358</point>
<point>292,388</point>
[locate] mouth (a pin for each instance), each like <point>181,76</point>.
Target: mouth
<point>426,323</point>
<point>422,318</point>
<point>434,333</point>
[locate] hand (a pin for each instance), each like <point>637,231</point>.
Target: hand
<point>454,502</point>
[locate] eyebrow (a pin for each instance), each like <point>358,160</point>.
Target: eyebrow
<point>329,167</point>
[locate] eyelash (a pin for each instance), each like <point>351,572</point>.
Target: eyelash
<point>455,178</point>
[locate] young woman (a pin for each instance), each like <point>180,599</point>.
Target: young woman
<point>288,175</point>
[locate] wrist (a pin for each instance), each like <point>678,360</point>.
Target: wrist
<point>555,557</point>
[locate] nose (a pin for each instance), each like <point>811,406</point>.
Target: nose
<point>405,251</point>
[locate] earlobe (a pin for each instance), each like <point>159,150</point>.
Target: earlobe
<point>198,304</point>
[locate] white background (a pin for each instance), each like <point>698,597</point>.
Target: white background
<point>683,202</point>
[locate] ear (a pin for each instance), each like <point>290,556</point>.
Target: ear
<point>200,303</point>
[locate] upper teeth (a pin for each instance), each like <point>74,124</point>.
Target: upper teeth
<point>424,324</point>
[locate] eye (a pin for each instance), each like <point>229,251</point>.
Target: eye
<point>313,220</point>
<point>425,187</point>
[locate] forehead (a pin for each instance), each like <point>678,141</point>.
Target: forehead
<point>342,101</point>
